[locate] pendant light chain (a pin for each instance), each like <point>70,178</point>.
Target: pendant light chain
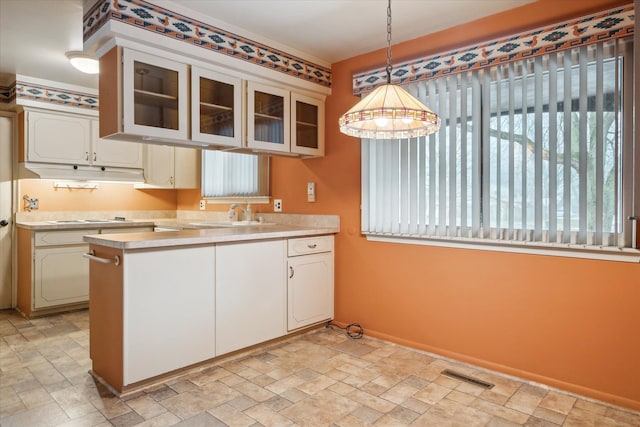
<point>389,67</point>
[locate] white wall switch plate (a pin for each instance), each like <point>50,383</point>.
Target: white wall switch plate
<point>277,205</point>
<point>311,191</point>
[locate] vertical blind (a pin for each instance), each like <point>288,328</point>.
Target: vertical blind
<point>227,174</point>
<point>529,151</point>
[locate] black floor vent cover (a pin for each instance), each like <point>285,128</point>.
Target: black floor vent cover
<point>467,379</point>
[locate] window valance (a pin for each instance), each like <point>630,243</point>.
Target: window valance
<point>609,24</point>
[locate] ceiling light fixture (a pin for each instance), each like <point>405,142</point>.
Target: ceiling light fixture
<point>389,111</point>
<point>83,62</point>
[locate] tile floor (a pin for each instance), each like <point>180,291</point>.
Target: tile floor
<point>321,378</point>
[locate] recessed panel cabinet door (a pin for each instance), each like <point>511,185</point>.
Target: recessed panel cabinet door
<point>61,276</point>
<point>310,289</point>
<point>110,152</point>
<point>58,138</point>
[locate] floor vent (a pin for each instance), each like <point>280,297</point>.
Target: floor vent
<point>467,379</point>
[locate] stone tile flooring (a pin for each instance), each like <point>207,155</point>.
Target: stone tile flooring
<point>322,378</point>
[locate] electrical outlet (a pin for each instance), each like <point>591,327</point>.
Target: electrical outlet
<point>277,205</point>
<point>203,205</point>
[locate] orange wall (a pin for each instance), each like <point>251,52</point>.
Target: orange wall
<point>107,197</point>
<point>570,323</point>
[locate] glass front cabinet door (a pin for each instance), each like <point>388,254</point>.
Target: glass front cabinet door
<point>268,118</point>
<point>307,120</point>
<point>155,99</point>
<point>216,108</point>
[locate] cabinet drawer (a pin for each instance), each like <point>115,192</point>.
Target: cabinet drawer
<point>309,245</point>
<point>64,237</point>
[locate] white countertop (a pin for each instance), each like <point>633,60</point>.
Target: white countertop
<point>276,226</point>
<point>132,241</point>
<point>58,225</point>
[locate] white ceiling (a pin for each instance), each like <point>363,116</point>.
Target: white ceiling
<point>35,34</point>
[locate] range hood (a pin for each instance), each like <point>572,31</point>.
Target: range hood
<point>79,172</point>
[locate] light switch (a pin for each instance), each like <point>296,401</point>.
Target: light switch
<point>311,192</point>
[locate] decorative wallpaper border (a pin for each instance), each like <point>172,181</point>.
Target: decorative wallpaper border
<point>613,23</point>
<point>7,94</point>
<point>144,15</point>
<point>48,95</point>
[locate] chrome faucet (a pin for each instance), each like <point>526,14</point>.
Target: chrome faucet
<point>247,212</point>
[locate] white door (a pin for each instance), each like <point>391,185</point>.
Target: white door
<point>109,152</point>
<point>61,276</point>
<point>6,137</point>
<point>58,138</point>
<point>250,293</point>
<point>159,165</point>
<point>310,290</point>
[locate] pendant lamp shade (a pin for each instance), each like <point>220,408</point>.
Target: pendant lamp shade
<point>389,112</point>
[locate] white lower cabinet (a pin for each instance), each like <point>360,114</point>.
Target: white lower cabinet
<point>168,310</point>
<point>158,310</point>
<point>61,274</point>
<point>250,293</point>
<point>310,281</point>
<point>53,275</point>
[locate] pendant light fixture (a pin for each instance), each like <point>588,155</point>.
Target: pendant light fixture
<point>389,111</point>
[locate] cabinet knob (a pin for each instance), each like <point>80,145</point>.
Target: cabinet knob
<point>75,167</point>
<point>4,223</point>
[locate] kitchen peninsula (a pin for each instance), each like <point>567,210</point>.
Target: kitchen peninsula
<point>162,302</point>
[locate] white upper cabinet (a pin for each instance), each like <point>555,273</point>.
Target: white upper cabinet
<point>307,125</point>
<point>72,139</point>
<point>154,96</point>
<point>216,108</point>
<point>170,167</point>
<point>149,99</point>
<point>57,138</point>
<point>268,118</point>
<point>110,152</point>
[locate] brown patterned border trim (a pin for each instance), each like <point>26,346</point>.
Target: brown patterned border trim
<point>613,23</point>
<point>146,16</point>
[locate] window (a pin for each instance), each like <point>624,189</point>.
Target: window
<point>536,152</point>
<point>234,175</point>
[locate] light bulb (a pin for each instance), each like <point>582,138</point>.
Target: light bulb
<point>381,122</point>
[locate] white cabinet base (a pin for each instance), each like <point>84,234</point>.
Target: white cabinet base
<point>250,294</point>
<point>169,300</point>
